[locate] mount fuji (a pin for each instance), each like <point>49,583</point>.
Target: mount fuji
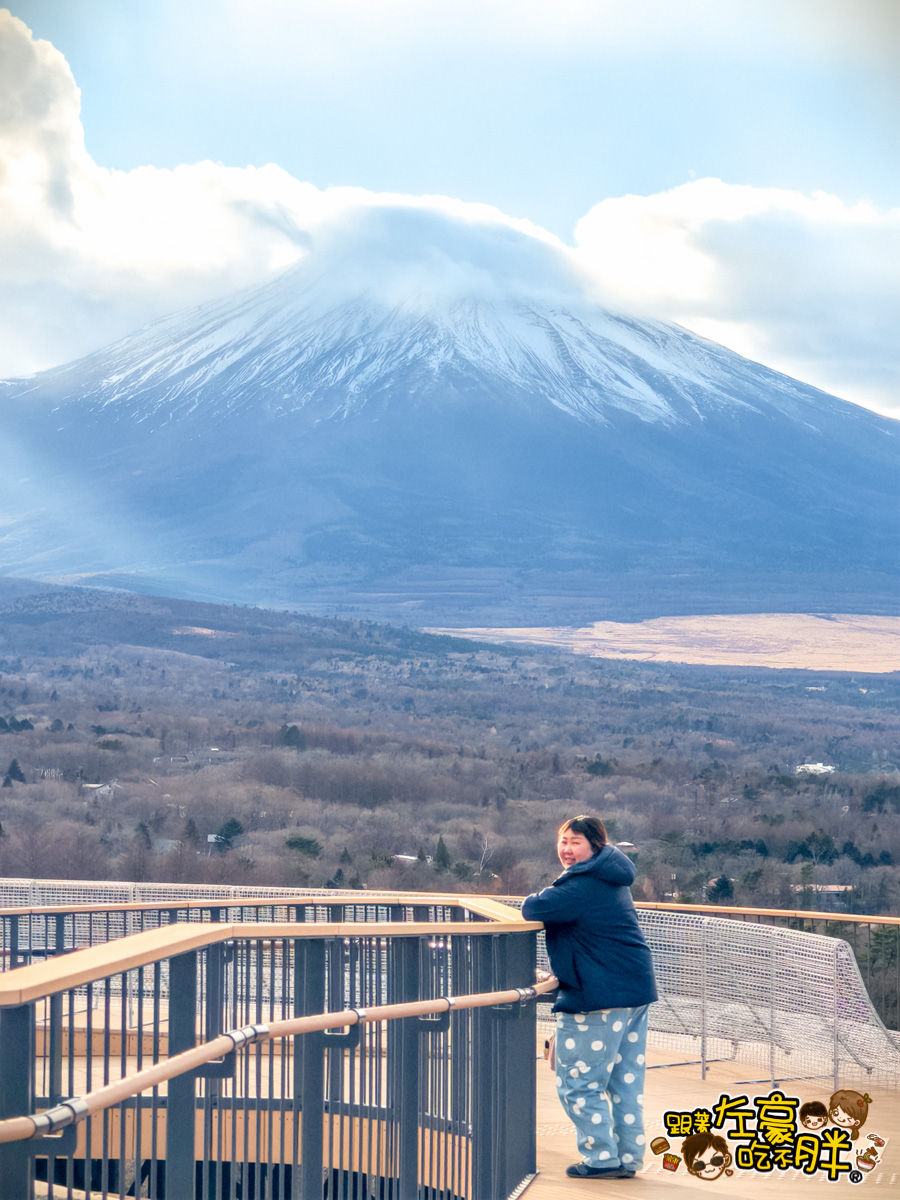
<point>432,418</point>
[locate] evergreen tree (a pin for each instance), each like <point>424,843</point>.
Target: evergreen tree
<point>291,736</point>
<point>228,832</point>
<point>721,891</point>
<point>14,772</point>
<point>305,845</point>
<point>442,860</point>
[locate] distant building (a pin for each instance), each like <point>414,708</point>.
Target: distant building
<point>830,897</point>
<point>813,769</point>
<point>103,789</point>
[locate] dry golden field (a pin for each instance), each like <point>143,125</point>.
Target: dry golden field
<point>818,641</point>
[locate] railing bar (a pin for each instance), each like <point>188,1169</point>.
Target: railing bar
<point>234,1142</point>
<point>257,1052</point>
<point>206,1136</point>
<point>276,1138</point>
<point>43,1072</point>
<point>138,1145</point>
<point>239,960</point>
<point>367,1053</point>
<point>123,1068</point>
<point>347,1059</point>
<point>154,1094</point>
<point>381,1147</point>
<point>247,1068</point>
<point>426,1060</point>
<point>139,1058</point>
<point>282,1079</point>
<point>446,1104</point>
<point>445,1100</point>
<point>88,1068</point>
<point>270,1139</point>
<point>368,965</point>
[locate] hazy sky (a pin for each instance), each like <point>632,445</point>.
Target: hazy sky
<point>730,164</point>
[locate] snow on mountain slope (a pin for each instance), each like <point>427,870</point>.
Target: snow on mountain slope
<point>403,415</point>
<point>349,323</point>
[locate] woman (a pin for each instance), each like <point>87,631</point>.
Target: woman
<point>605,973</point>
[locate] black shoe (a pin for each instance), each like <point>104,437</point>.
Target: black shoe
<point>583,1171</point>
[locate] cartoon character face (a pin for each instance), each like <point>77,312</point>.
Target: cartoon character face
<point>706,1155</point>
<point>710,1166</point>
<point>844,1119</point>
<point>849,1110</point>
<point>813,1115</point>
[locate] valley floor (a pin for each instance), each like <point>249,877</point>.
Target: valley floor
<point>815,641</point>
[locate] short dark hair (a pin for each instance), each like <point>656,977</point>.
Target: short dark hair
<point>697,1143</point>
<point>590,827</point>
<point>813,1108</point>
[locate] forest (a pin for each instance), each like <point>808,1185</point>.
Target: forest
<point>151,739</point>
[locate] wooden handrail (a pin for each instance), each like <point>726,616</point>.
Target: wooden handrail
<point>26,984</point>
<point>17,1129</point>
<point>472,901</point>
<point>722,910</point>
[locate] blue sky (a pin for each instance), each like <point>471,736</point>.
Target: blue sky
<point>731,164</point>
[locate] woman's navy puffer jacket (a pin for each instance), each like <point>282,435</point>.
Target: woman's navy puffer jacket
<point>596,948</point>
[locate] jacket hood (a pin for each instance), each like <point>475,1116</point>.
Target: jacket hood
<point>608,864</point>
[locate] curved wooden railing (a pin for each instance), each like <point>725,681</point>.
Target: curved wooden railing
<point>51,1120</point>
<point>79,967</point>
<point>405,978</point>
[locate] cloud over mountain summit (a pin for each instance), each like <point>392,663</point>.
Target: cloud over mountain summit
<point>87,254</point>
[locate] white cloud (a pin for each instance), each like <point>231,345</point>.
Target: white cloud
<point>804,283</point>
<point>88,254</point>
<point>807,284</point>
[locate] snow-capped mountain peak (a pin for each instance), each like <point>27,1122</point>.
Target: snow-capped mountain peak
<point>446,418</point>
<point>372,313</point>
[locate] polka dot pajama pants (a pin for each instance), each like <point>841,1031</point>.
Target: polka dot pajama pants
<point>600,1080</point>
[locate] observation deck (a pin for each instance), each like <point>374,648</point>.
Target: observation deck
<point>202,1043</point>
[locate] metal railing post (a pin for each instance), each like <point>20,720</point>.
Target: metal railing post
<point>483,1021</point>
<point>59,941</point>
<point>14,943</point>
<point>54,1055</point>
<point>407,1095</point>
<point>16,1097</point>
<point>180,1106</point>
<point>309,1062</point>
<point>518,1084</point>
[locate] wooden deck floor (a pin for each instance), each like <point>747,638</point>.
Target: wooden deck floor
<point>681,1088</point>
